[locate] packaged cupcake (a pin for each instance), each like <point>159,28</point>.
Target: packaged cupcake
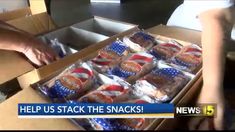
<point>73,82</point>
<point>107,93</point>
<point>109,56</point>
<point>162,84</point>
<point>188,59</point>
<point>139,41</point>
<point>123,123</point>
<point>133,67</point>
<point>166,50</point>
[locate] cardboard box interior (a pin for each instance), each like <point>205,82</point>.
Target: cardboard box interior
<point>83,34</point>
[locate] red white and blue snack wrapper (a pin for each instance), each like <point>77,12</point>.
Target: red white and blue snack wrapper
<point>166,50</point>
<point>189,59</point>
<point>109,56</point>
<point>123,123</point>
<point>162,84</point>
<point>117,124</point>
<point>139,41</point>
<point>107,93</point>
<point>134,66</point>
<point>72,82</point>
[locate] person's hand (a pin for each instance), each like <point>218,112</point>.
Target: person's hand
<point>210,123</point>
<point>39,53</point>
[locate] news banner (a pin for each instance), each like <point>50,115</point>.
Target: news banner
<point>124,110</point>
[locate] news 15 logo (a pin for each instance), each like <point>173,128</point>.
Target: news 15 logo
<point>208,110</point>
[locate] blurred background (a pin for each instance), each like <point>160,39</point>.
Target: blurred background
<point>145,13</point>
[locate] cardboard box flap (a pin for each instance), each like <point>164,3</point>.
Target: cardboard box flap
<point>183,34</point>
<point>34,24</point>
<point>12,65</point>
<point>10,15</point>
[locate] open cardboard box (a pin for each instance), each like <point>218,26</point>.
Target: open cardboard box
<point>29,95</point>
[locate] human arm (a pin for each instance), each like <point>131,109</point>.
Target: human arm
<point>13,39</point>
<point>216,28</point>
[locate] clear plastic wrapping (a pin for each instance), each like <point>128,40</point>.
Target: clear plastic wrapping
<point>139,41</point>
<point>188,59</point>
<point>123,123</point>
<point>72,82</point>
<point>107,93</point>
<point>133,67</point>
<point>166,50</point>
<point>162,84</point>
<point>109,56</point>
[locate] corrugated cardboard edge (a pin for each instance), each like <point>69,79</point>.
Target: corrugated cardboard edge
<point>28,78</point>
<point>34,24</point>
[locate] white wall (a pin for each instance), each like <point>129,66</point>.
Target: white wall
<point>8,5</point>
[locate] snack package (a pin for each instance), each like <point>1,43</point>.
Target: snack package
<point>107,93</point>
<point>188,59</point>
<point>165,51</point>
<point>58,47</point>
<point>133,66</point>
<point>123,123</point>
<point>139,41</point>
<point>109,56</point>
<point>162,84</point>
<point>71,83</point>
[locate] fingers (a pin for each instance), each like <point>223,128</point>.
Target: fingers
<point>37,62</point>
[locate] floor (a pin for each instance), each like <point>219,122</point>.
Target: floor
<point>145,13</point>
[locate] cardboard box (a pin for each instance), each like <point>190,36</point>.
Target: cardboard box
<point>27,19</point>
<point>184,96</point>
<point>33,19</point>
<point>34,24</point>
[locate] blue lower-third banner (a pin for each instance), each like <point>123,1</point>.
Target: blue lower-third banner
<point>92,110</point>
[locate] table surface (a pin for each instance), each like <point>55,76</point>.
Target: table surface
<point>9,108</point>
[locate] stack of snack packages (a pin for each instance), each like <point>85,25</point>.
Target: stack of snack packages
<point>137,68</point>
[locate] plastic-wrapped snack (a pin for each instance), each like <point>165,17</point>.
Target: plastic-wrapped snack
<point>107,93</point>
<point>123,123</point>
<point>109,56</point>
<point>188,59</point>
<point>117,124</point>
<point>162,84</point>
<point>133,67</point>
<point>139,41</point>
<point>58,47</point>
<point>71,83</point>
<point>165,51</point>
